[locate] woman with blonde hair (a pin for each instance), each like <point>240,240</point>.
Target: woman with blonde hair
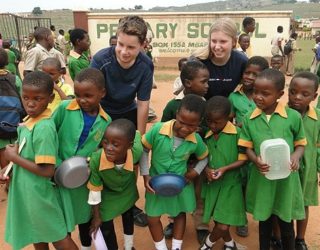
<point>225,64</point>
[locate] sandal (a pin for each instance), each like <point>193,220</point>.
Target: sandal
<point>230,248</point>
<point>204,246</point>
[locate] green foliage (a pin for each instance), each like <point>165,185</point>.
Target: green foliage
<point>304,57</point>
<point>138,7</point>
<point>37,11</point>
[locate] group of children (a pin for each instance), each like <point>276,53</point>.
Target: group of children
<point>214,145</point>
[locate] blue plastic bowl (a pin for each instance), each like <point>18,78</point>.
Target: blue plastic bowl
<point>167,184</point>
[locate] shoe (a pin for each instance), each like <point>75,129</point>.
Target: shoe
<point>139,217</point>
<point>275,244</point>
<point>301,245</point>
<point>204,246</point>
<point>230,248</point>
<point>168,231</point>
<point>242,231</point>
<point>202,235</point>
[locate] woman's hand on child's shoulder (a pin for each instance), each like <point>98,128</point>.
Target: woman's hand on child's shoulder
<point>11,151</point>
<point>262,166</point>
<point>146,179</point>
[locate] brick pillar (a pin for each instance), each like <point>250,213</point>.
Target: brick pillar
<point>80,19</point>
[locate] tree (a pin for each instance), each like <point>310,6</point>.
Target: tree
<point>314,1</point>
<point>138,7</point>
<point>36,11</point>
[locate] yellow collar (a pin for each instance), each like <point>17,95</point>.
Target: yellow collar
<point>167,129</point>
<point>29,122</point>
<point>280,109</point>
<point>228,129</point>
<point>105,164</point>
<point>73,105</point>
<point>74,54</point>
<point>312,113</point>
<point>239,89</point>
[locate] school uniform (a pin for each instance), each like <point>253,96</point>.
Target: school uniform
<point>240,103</point>
<point>76,63</point>
<point>117,185</point>
<point>223,198</point>
<point>69,121</point>
<point>167,160</point>
<point>281,197</point>
<point>33,212</point>
<point>310,164</point>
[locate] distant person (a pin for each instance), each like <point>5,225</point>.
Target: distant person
<point>31,41</point>
<point>53,32</point>
<point>128,73</point>
<point>12,60</point>
<point>276,42</point>
<point>291,55</point>
<point>277,61</point>
<point>44,48</point>
<point>62,42</point>
<point>61,90</point>
<point>249,26</point>
<point>78,58</point>
<point>244,44</point>
<point>316,59</point>
<point>113,41</point>
<point>1,40</point>
<point>177,84</point>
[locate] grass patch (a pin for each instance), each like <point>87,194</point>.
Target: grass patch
<point>304,57</point>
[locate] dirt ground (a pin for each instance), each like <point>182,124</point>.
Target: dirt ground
<point>143,240</point>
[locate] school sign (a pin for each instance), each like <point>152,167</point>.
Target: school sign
<point>177,34</point>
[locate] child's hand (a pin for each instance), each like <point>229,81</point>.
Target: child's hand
<point>190,175</point>
<point>11,151</point>
<point>146,179</point>
<point>294,163</point>
<point>218,173</point>
<point>263,167</point>
<point>209,172</point>
<point>55,86</point>
<point>95,224</point>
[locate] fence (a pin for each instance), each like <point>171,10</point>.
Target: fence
<point>17,28</point>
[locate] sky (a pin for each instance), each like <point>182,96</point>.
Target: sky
<point>27,6</point>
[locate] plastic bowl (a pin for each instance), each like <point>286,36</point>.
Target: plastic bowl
<point>167,184</point>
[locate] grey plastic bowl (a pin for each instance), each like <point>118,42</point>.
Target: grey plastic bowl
<point>73,172</point>
<point>167,184</point>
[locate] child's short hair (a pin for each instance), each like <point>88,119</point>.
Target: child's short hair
<point>61,32</point>
<point>133,26</point>
<point>52,62</point>
<point>91,75</point>
<point>218,104</point>
<point>275,76</point>
<point>307,75</point>
<point>242,36</point>
<point>126,126</point>
<point>190,68</point>
<point>193,103</point>
<point>39,79</point>
<point>111,38</point>
<point>258,60</point>
<point>41,33</point>
<point>181,62</point>
<point>4,60</point>
<point>247,21</point>
<point>77,34</point>
<point>277,56</point>
<point>6,44</point>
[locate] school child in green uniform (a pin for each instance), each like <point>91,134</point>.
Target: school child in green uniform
<point>222,193</point>
<point>194,77</point>
<point>172,143</point>
<point>33,212</point>
<point>78,58</point>
<point>241,99</point>
<point>241,103</point>
<point>266,198</point>
<point>61,90</point>
<point>302,91</point>
<point>80,124</point>
<point>112,184</point>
